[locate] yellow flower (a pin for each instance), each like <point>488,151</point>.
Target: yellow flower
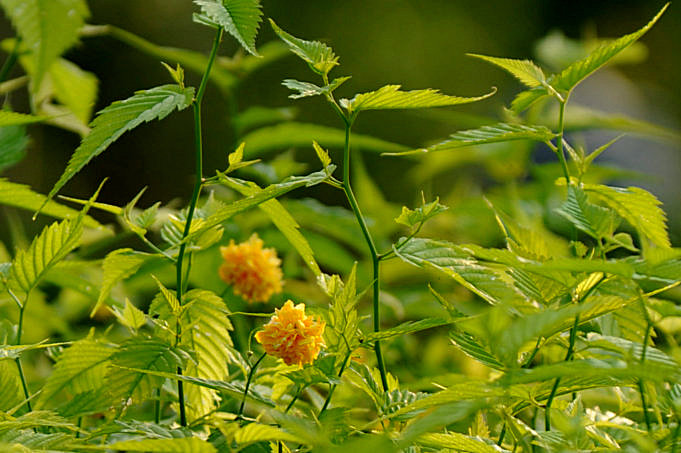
<point>253,272</point>
<point>291,335</point>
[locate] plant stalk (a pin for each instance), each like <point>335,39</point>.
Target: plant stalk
<point>18,359</point>
<point>347,187</point>
<point>560,152</point>
<point>248,383</point>
<point>554,389</point>
<point>198,155</point>
<point>333,386</point>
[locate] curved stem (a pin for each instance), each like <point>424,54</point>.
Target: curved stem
<point>559,150</point>
<point>11,60</point>
<point>248,383</point>
<point>198,155</point>
<point>20,328</point>
<point>347,187</point>
<point>293,401</point>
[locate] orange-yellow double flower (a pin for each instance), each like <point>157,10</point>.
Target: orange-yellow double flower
<point>254,272</point>
<point>292,336</point>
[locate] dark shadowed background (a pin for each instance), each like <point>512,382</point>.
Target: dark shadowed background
<point>416,43</point>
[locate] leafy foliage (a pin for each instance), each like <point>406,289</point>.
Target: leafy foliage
<point>120,117</point>
<point>241,18</point>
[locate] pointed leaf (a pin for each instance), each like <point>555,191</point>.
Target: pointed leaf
<point>500,132</point>
<point>306,89</point>
<point>177,445</point>
<point>318,55</point>
<point>414,217</point>
<point>240,18</point>
<point>524,70</point>
<point>8,118</point>
<point>47,28</point>
<point>405,328</point>
<point>21,196</point>
<point>390,97</point>
<point>593,220</point>
<point>13,143</point>
<point>638,207</point>
<point>292,134</point>
<point>80,368</point>
<point>51,246</point>
<point>578,71</point>
<point>120,117</point>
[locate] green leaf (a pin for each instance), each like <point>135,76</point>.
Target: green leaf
<point>526,99</point>
<point>578,71</point>
<point>75,88</point>
<point>292,134</point>
<point>405,328</point>
<point>117,266</point>
<point>47,28</point>
<point>281,219</point>
<point>456,441</point>
<point>13,143</point>
<point>318,55</point>
<point>80,368</point>
<point>205,325</point>
<point>306,89</point>
<point>226,211</point>
<point>126,385</point>
<point>51,246</point>
<point>177,445</point>
<point>342,332</point>
<point>21,196</point>
<point>8,118</point>
<point>240,18</point>
<point>638,207</point>
<point>120,117</point>
<point>472,347</point>
<point>11,393</point>
<point>390,97</point>
<point>594,220</point>
<point>412,218</point>
<point>130,316</point>
<point>255,432</point>
<point>524,70</point>
<point>500,132</point>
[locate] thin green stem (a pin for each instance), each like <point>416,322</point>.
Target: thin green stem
<point>20,328</point>
<point>11,60</point>
<point>333,386</point>
<point>157,406</point>
<point>675,437</point>
<point>248,383</point>
<point>372,249</point>
<point>198,155</point>
<point>559,151</point>
<point>293,401</point>
<point>641,384</point>
<point>554,389</point>
<point>502,434</point>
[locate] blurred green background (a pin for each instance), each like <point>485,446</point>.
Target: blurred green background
<point>416,43</point>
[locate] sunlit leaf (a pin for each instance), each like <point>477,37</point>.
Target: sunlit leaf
<point>318,55</point>
<point>524,70</point>
<point>240,18</point>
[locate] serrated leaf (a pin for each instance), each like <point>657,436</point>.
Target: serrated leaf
<point>255,432</point>
<point>390,97</point>
<point>130,316</point>
<point>11,393</point>
<point>22,196</point>
<point>205,325</point>
<point>80,368</point>
<point>240,18</point>
<point>51,246</point>
<point>404,329</point>
<point>638,207</point>
<point>120,117</point>
<point>126,385</point>
<point>306,89</point>
<point>524,70</point>
<point>292,134</point>
<point>472,347</point>
<point>414,217</point>
<point>282,219</point>
<point>177,445</point>
<point>117,266</point>
<point>458,442</point>
<point>47,28</point>
<point>13,143</point>
<point>318,55</point>
<point>226,211</point>
<point>578,71</point>
<point>526,99</point>
<point>500,132</point>
<point>594,220</point>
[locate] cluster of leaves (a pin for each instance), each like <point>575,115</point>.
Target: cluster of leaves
<point>568,329</point>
